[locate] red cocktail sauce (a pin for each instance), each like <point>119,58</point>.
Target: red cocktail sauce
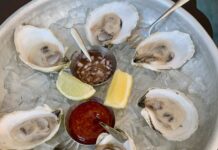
<point>83,123</point>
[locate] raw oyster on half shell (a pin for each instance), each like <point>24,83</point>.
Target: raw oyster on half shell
<point>111,23</point>
<point>170,113</point>
<point>39,48</point>
<point>106,141</point>
<point>27,129</point>
<point>164,50</point>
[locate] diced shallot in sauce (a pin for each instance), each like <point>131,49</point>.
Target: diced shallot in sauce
<point>96,71</point>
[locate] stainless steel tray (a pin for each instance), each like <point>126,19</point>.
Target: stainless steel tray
<point>23,88</point>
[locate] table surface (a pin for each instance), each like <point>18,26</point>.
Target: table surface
<point>7,7</point>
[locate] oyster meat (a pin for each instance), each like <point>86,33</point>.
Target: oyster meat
<point>39,48</point>
<point>170,113</point>
<point>164,50</point>
<point>27,129</point>
<point>111,23</point>
<point>106,141</point>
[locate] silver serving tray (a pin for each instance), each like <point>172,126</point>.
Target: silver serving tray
<point>23,88</point>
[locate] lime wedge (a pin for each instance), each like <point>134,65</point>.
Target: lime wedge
<point>73,88</point>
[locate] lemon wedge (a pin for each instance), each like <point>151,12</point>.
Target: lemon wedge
<point>119,90</point>
<point>73,88</point>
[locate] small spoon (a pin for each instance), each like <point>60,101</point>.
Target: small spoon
<point>80,42</point>
<point>135,40</point>
<point>116,133</point>
<point>178,4</point>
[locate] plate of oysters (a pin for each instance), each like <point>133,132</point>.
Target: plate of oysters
<point>107,75</point>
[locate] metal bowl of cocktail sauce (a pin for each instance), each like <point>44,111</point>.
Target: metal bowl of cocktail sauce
<point>96,72</point>
<point>82,121</point>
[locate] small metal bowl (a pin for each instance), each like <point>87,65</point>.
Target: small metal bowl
<point>73,107</point>
<point>104,52</point>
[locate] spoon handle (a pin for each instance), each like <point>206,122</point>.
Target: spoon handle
<point>117,134</point>
<point>80,43</point>
<point>178,4</point>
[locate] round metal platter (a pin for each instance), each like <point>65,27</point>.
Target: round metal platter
<point>23,88</point>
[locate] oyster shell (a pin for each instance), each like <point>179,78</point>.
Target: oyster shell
<point>106,141</point>
<point>39,48</point>
<point>27,129</point>
<point>170,112</point>
<point>164,50</point>
<point>111,23</point>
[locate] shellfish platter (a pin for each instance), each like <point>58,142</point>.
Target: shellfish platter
<point>153,91</point>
